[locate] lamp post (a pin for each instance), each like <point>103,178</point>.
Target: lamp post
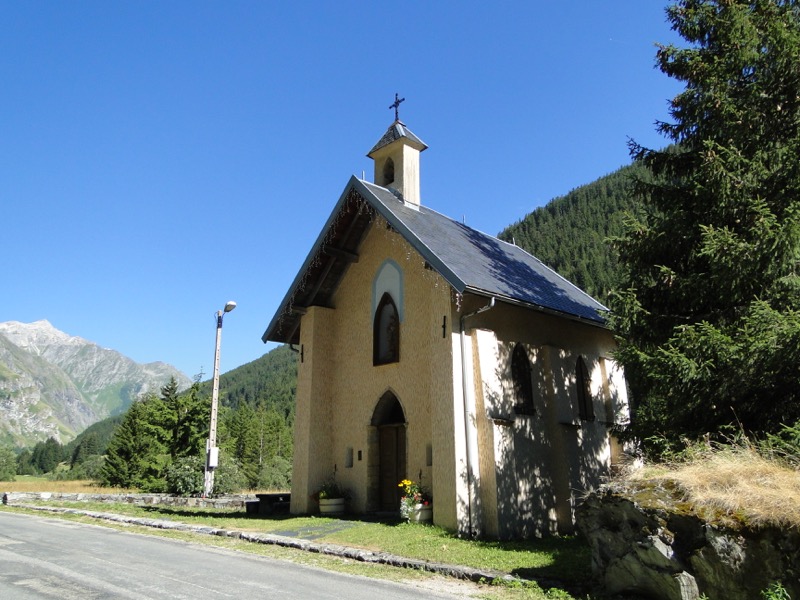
<point>212,452</point>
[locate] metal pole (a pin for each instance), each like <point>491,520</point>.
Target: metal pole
<point>212,452</point>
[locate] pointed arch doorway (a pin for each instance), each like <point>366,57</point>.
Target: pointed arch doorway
<point>389,448</point>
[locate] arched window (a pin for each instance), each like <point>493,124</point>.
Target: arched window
<point>583,385</point>
<point>386,333</point>
<point>521,377</point>
<point>388,171</point>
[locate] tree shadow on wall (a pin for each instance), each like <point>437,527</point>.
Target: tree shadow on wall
<point>545,462</point>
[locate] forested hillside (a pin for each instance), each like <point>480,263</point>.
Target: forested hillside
<point>570,233</point>
<point>271,380</point>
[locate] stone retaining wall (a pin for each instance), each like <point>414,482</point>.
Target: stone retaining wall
<point>142,499</point>
<point>650,542</point>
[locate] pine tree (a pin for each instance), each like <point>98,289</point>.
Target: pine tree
<point>25,464</point>
<point>708,310</point>
<point>256,437</point>
<point>89,446</point>
<point>186,418</point>
<point>47,455</point>
<point>138,453</point>
<point>8,463</point>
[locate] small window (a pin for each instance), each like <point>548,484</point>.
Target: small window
<point>521,376</point>
<point>584,389</point>
<point>388,171</point>
<point>386,333</point>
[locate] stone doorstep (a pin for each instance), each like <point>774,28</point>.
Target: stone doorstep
<point>384,558</point>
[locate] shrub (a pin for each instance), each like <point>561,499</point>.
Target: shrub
<point>89,469</point>
<point>775,592</point>
<point>186,476</point>
<point>92,466</point>
<point>228,478</point>
<point>275,474</point>
<point>784,445</point>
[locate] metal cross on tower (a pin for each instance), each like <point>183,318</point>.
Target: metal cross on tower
<point>396,106</point>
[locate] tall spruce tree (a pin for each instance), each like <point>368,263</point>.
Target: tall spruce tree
<point>155,432</point>
<point>47,455</point>
<point>138,452</point>
<point>8,463</point>
<point>187,419</point>
<point>708,313</point>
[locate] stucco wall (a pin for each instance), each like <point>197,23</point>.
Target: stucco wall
<point>342,372</point>
<point>533,466</point>
<point>312,436</point>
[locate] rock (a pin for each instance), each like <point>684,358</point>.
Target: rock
<point>55,385</point>
<point>645,540</point>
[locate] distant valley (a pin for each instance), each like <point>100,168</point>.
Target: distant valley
<point>55,385</point>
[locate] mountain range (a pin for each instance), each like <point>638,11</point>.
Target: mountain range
<point>55,385</point>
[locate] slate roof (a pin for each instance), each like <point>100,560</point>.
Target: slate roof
<point>470,261</point>
<point>396,131</point>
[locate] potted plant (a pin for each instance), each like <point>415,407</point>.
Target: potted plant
<point>331,498</point>
<point>416,505</point>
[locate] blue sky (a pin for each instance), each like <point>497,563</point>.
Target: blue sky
<point>160,158</point>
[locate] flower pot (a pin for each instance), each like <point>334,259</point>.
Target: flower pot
<point>331,506</point>
<point>420,513</point>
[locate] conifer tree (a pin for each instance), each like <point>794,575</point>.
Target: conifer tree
<point>138,454</point>
<point>186,419</point>
<point>8,463</point>
<point>710,333</point>
<point>89,446</point>
<point>47,455</point>
<point>256,437</point>
<point>154,432</point>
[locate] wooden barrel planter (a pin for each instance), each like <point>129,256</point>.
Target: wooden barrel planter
<point>331,506</point>
<point>421,513</point>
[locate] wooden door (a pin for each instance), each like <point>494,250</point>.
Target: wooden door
<point>392,468</point>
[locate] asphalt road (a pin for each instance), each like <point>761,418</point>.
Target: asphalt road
<point>51,558</point>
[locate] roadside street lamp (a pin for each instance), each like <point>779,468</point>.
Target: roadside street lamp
<point>212,452</point>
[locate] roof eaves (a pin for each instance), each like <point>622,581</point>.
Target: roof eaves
<point>599,322</point>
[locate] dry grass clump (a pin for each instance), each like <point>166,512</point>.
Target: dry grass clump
<point>737,482</point>
<point>38,484</point>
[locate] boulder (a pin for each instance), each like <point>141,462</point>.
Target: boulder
<point>647,541</point>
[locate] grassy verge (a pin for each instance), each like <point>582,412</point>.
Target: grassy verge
<point>554,558</point>
<point>565,559</point>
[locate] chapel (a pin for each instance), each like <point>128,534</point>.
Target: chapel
<point>431,351</point>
